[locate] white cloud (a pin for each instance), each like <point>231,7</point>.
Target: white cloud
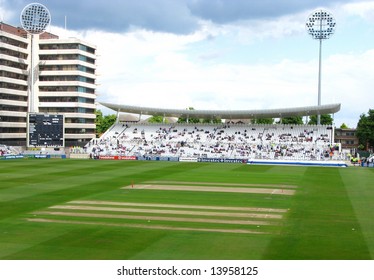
<point>363,9</point>
<point>165,70</point>
<point>349,79</point>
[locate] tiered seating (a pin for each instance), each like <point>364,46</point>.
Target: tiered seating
<point>5,150</point>
<point>10,150</point>
<point>216,141</point>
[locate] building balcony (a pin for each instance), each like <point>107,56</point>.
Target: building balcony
<point>66,83</point>
<point>13,59</point>
<point>65,105</point>
<point>58,73</point>
<point>68,62</point>
<point>14,70</point>
<point>13,48</point>
<point>13,114</point>
<point>13,103</point>
<point>80,125</point>
<point>13,81</point>
<point>13,135</point>
<point>66,94</point>
<point>67,51</point>
<point>79,136</point>
<point>14,91</point>
<point>12,124</point>
<point>79,116</point>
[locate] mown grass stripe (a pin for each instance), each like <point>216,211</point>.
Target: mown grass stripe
<point>212,189</point>
<point>156,218</point>
<point>222,184</point>
<point>177,206</point>
<point>243,231</point>
<point>159,211</point>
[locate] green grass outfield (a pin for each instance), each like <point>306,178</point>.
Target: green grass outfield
<point>86,209</point>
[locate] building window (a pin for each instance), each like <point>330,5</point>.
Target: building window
<point>12,130</point>
<point>13,86</point>
<point>13,97</point>
<point>13,42</point>
<point>13,64</point>
<point>13,53</point>
<point>13,75</point>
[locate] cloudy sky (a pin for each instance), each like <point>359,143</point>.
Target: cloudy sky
<point>221,54</point>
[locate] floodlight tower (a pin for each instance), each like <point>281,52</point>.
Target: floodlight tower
<point>35,18</point>
<point>321,26</point>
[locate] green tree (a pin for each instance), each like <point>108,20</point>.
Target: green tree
<point>214,120</point>
<point>326,119</point>
<point>365,129</point>
<point>344,126</point>
<point>103,123</point>
<point>190,120</point>
<point>157,119</point>
<point>109,120</point>
<point>292,120</point>
<point>98,122</point>
<point>263,121</point>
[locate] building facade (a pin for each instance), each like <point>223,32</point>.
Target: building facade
<point>64,83</point>
<point>347,137</point>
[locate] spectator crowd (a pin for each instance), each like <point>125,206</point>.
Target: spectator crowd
<point>241,141</point>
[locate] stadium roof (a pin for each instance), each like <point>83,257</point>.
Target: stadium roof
<point>226,114</point>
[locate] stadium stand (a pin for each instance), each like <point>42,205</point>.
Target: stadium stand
<point>9,150</point>
<point>236,141</point>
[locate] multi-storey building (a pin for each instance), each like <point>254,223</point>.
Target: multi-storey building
<point>347,137</point>
<point>64,83</point>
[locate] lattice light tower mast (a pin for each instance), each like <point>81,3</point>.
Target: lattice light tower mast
<point>321,26</point>
<point>35,19</point>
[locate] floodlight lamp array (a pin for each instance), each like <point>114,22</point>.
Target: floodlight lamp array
<point>321,25</point>
<point>35,18</point>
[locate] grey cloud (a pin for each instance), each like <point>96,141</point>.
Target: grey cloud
<point>226,11</point>
<point>115,15</point>
<point>174,16</point>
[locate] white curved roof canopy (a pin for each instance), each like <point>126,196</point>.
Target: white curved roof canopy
<point>226,114</point>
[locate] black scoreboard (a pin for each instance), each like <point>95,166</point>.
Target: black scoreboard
<point>45,130</point>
